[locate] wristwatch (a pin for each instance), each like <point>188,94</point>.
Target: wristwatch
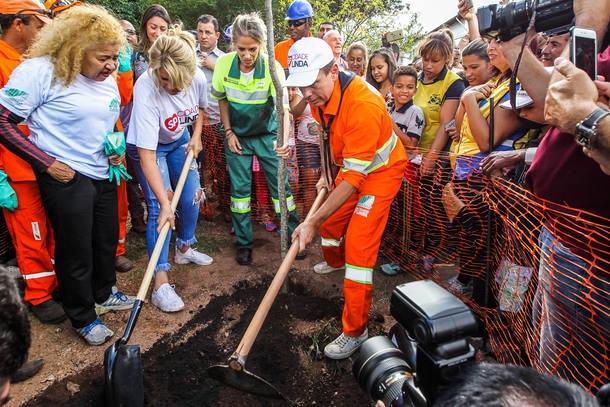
<point>586,129</point>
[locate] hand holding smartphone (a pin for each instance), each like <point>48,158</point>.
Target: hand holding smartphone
<point>583,50</point>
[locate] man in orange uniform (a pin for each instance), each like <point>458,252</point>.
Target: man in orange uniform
<point>30,230</point>
<point>359,138</point>
<point>299,17</point>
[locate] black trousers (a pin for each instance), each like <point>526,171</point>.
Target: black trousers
<point>84,216</point>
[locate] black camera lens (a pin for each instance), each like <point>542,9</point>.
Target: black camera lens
<point>381,370</point>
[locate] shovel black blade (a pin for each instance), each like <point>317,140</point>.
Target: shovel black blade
<point>123,379</point>
<point>126,387</point>
<point>245,381</point>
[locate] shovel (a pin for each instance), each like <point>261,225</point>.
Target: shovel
<point>123,380</point>
<point>235,374</point>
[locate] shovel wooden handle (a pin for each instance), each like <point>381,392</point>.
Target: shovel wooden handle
<point>243,349</point>
<point>154,257</point>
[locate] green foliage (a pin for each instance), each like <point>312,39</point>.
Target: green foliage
<point>125,9</point>
<point>358,20</point>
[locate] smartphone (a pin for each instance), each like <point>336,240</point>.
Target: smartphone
<point>583,50</point>
<point>394,36</point>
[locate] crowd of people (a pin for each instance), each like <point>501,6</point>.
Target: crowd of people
<point>358,125</point>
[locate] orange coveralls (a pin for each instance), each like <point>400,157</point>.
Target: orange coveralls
<point>373,161</point>
<point>29,227</point>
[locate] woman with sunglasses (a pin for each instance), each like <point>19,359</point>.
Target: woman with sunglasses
<point>245,92</point>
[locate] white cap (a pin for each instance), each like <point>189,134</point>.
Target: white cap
<point>522,99</point>
<point>305,59</point>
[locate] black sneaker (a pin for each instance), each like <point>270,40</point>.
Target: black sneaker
<point>27,370</point>
<point>49,312</point>
<point>244,256</point>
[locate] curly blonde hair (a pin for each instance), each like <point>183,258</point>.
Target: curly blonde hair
<point>175,52</point>
<point>74,32</point>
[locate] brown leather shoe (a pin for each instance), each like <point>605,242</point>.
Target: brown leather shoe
<point>138,225</point>
<point>122,264</point>
<point>49,312</point>
<point>27,370</point>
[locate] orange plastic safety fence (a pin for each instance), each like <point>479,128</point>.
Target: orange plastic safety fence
<point>536,274</point>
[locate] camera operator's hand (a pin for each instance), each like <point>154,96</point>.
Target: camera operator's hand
<point>571,96</point>
<point>603,89</point>
<point>593,14</point>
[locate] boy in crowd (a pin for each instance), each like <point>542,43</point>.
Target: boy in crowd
<point>407,117</point>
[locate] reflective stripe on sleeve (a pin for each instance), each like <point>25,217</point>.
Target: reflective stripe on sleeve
<point>381,158</point>
<point>38,275</point>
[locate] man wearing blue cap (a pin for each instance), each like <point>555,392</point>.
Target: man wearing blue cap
<point>299,17</point>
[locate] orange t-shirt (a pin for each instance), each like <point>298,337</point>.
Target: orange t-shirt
<point>281,52</point>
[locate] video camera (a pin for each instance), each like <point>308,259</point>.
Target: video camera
<point>553,17</point>
<point>429,346</point>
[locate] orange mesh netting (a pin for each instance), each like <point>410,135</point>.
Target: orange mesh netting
<point>486,231</point>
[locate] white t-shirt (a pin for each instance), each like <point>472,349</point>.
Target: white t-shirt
<point>160,118</point>
<point>68,123</point>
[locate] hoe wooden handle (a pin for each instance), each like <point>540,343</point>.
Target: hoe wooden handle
<point>238,360</point>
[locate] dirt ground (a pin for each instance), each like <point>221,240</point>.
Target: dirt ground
<point>177,349</point>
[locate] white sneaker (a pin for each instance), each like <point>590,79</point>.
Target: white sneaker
<point>192,256</point>
<point>344,346</point>
<point>324,268</point>
<point>166,299</point>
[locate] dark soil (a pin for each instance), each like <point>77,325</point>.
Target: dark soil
<point>287,354</point>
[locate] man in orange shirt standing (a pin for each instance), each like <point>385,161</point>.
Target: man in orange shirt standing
<point>30,230</point>
<point>358,137</point>
<point>299,16</point>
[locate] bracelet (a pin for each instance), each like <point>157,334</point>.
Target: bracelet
<point>228,129</point>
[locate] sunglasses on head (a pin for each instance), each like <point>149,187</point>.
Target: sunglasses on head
<point>296,23</point>
<point>33,11</point>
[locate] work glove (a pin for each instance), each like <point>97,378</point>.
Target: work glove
<point>124,60</point>
<point>8,197</point>
<point>115,145</point>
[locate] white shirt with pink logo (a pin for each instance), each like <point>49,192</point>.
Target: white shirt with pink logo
<point>160,118</point>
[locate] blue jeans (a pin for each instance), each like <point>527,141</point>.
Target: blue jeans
<point>170,160</point>
<point>571,317</point>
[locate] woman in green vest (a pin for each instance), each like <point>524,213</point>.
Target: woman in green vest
<point>245,92</point>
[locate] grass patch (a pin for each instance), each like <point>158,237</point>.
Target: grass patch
<point>326,331</point>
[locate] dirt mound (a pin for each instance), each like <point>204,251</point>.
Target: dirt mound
<point>287,353</point>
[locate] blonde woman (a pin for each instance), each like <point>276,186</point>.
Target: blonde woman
<point>168,97</point>
<point>357,57</point>
<point>71,101</point>
<point>242,84</point>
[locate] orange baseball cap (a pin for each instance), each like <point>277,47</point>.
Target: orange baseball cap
<point>25,7</point>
